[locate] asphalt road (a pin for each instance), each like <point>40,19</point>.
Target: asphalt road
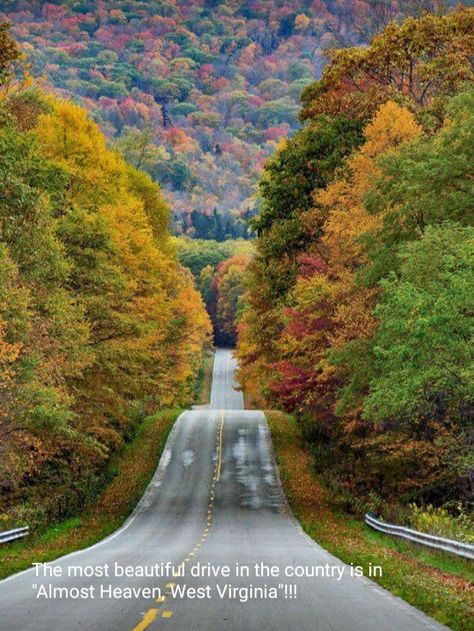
<point>215,500</point>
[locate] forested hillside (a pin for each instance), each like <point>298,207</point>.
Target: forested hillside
<point>198,93</point>
<point>358,313</point>
<point>99,324</point>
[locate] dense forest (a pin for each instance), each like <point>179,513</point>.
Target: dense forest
<point>357,316</point>
<point>337,133</point>
<point>99,324</point>
<point>198,93</point>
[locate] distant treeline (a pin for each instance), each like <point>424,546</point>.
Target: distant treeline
<point>218,269</point>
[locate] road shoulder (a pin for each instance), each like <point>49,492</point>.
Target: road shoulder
<point>433,582</point>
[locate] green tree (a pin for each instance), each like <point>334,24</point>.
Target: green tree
<point>39,311</point>
<point>304,164</point>
<point>423,347</point>
<point>228,285</point>
<point>429,181</point>
<point>138,148</point>
<point>205,286</point>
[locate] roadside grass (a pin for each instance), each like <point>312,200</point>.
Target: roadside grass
<point>439,584</point>
<point>134,467</point>
<point>202,392</point>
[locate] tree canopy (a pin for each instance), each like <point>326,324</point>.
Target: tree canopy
<point>357,314</point>
<point>99,323</point>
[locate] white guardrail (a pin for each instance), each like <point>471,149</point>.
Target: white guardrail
<point>13,535</point>
<point>465,550</point>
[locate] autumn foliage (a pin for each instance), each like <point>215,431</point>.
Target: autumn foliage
<point>417,63</point>
<point>228,287</point>
<point>218,269</point>
<point>198,93</point>
<point>358,312</point>
<point>99,324</point>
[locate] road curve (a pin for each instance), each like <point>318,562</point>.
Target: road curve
<point>215,499</point>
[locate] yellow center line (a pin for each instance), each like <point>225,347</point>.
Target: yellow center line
<point>146,620</point>
<point>151,614</point>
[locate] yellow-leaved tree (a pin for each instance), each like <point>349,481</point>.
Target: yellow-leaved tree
<point>347,220</point>
<point>114,228</point>
<point>99,323</point>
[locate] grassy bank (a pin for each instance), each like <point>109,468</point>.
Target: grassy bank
<point>437,583</point>
<point>133,466</point>
<point>202,394</point>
